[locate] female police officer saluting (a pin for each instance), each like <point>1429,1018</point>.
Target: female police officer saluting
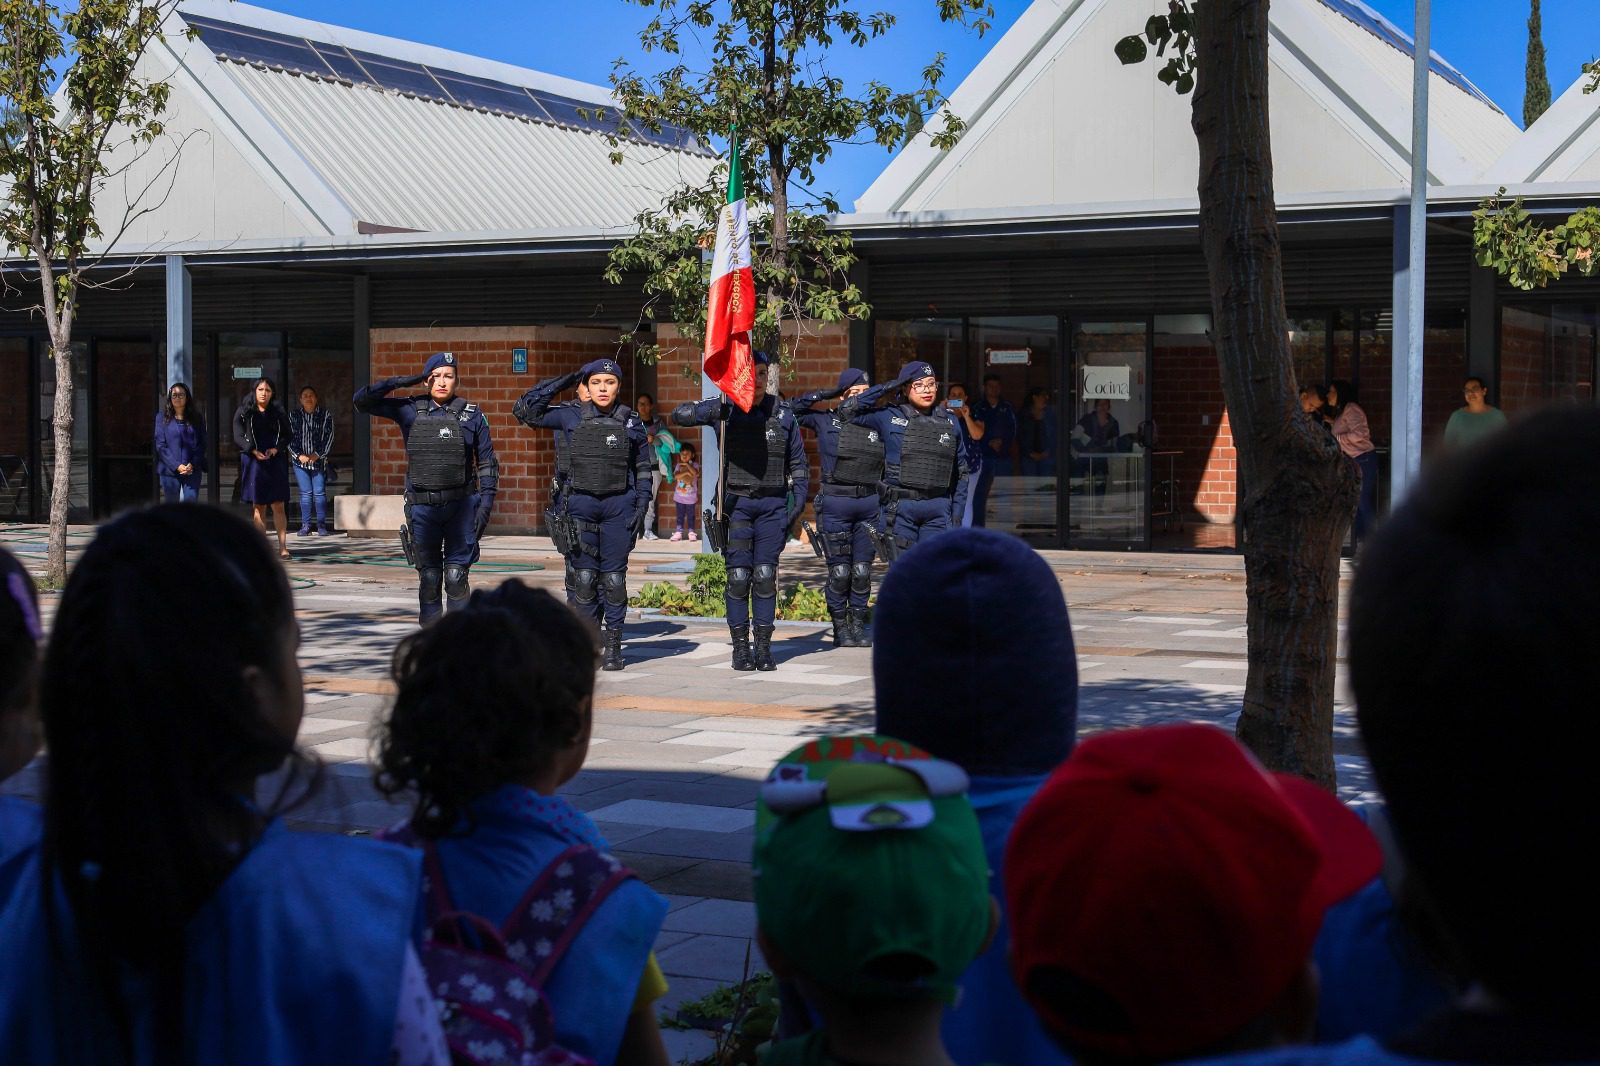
<point>608,487</point>
<point>766,465</point>
<point>925,466</point>
<point>847,505</point>
<point>445,437</point>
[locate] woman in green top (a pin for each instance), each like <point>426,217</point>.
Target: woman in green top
<point>1477,419</point>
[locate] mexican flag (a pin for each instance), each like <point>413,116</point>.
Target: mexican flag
<point>731,313</point>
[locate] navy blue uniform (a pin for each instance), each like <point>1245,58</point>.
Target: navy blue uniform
<point>999,428</point>
<point>758,517</point>
<point>444,531</point>
<point>917,514</point>
<point>607,522</point>
<point>843,511</point>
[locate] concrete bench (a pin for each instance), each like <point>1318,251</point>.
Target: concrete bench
<point>369,516</point>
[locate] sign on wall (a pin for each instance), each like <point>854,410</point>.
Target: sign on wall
<point>1107,383</point>
<point>519,360</point>
<point>243,373</point>
<point>1010,356</point>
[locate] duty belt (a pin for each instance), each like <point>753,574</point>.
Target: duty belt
<point>757,493</point>
<point>895,492</point>
<point>435,497</point>
<point>839,488</point>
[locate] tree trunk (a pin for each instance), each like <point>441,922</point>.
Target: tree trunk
<point>61,479</point>
<point>1298,491</point>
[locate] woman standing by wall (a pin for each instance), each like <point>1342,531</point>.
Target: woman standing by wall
<point>311,434</point>
<point>180,441</point>
<point>261,430</point>
<point>1355,440</point>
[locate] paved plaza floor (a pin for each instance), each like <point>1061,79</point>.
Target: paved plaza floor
<point>680,739</point>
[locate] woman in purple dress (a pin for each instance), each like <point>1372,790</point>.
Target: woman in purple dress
<point>261,430</point>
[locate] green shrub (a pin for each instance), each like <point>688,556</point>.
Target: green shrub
<point>708,585</point>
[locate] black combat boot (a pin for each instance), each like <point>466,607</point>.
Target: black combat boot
<point>741,647</point>
<point>841,629</point>
<point>859,637</point>
<point>612,654</point>
<point>763,649</point>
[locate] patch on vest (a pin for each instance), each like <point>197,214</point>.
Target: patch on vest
<point>896,420</point>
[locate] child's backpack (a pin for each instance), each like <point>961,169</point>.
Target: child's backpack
<point>488,982</point>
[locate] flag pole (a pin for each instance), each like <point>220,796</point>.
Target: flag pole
<point>722,423</point>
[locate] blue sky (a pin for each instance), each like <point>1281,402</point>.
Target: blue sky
<point>1485,39</point>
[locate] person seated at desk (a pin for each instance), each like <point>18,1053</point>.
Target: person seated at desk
<point>1095,434</point>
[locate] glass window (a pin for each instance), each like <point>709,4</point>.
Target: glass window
<point>242,360</point>
<point>1013,387</point>
<point>16,468</point>
<point>936,340</point>
<point>1444,368</point>
<point>127,396</point>
<point>326,362</point>
<point>1547,353</point>
<point>1108,495</point>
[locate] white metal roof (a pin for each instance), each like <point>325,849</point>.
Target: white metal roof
<point>358,156</point>
<point>1563,144</point>
<point>1053,118</point>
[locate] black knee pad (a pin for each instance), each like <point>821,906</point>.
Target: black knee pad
<point>839,578</point>
<point>766,581</point>
<point>739,582</point>
<point>586,586</point>
<point>571,579</point>
<point>861,577</point>
<point>455,582</point>
<point>428,584</point>
<point>616,588</point>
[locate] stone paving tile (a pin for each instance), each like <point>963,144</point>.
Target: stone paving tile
<point>714,792</point>
<point>687,1045</point>
<point>640,733</point>
<point>617,834</point>
<point>660,814</point>
<point>668,937</point>
<point>736,724</point>
<point>683,989</point>
<point>711,957</point>
<point>729,847</point>
<point>654,869</point>
<point>709,877</point>
<point>707,738</point>
<point>651,754</point>
<point>654,719</point>
<point>675,903</point>
<point>722,917</point>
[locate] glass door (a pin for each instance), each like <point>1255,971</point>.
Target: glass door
<point>1013,388</point>
<point>17,473</point>
<point>1104,450</point>
<point>127,395</point>
<point>243,359</point>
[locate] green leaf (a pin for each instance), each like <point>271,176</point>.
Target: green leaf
<point>1131,50</point>
<point>1157,30</point>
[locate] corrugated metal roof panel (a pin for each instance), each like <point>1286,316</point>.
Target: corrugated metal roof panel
<point>418,164</point>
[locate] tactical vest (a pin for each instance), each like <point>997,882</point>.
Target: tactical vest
<point>758,456</point>
<point>860,459</point>
<point>928,454</point>
<point>438,455</point>
<point>599,455</point>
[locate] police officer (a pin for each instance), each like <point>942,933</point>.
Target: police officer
<point>447,444</point>
<point>926,466</point>
<point>767,479</point>
<point>556,515</point>
<point>847,505</point>
<point>607,490</point>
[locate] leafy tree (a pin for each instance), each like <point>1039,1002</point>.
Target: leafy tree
<point>69,74</point>
<point>1536,94</point>
<point>767,73</point>
<point>1298,492</point>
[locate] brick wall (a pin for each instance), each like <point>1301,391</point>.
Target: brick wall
<point>483,359</point>
<point>1191,417</point>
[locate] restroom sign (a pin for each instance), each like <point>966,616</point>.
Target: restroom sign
<point>519,360</point>
<point>1107,383</point>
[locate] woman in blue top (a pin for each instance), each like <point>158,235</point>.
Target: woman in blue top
<point>180,446</point>
<point>19,722</point>
<point>166,915</point>
<point>493,715</point>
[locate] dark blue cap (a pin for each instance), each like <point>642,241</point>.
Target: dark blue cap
<point>972,655</point>
<point>438,359</point>
<point>763,358</point>
<point>852,376</point>
<point>916,370</point>
<point>601,366</point>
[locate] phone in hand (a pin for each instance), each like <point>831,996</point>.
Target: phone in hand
<point>953,404</point>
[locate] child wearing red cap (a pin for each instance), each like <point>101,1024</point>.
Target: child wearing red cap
<point>1165,893</point>
<point>872,897</point>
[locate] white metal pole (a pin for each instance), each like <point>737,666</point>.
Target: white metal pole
<point>1406,459</point>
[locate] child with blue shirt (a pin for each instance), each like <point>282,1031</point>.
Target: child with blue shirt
<point>493,715</point>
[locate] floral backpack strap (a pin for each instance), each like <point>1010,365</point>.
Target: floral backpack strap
<point>555,908</point>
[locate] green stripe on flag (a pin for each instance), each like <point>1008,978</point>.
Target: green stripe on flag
<point>735,179</point>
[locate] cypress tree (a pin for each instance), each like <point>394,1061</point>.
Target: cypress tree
<point>1536,96</point>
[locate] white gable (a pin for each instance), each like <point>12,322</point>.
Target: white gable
<point>1054,118</point>
<point>1563,145</point>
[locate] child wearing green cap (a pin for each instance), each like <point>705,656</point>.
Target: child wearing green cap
<point>872,896</point>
